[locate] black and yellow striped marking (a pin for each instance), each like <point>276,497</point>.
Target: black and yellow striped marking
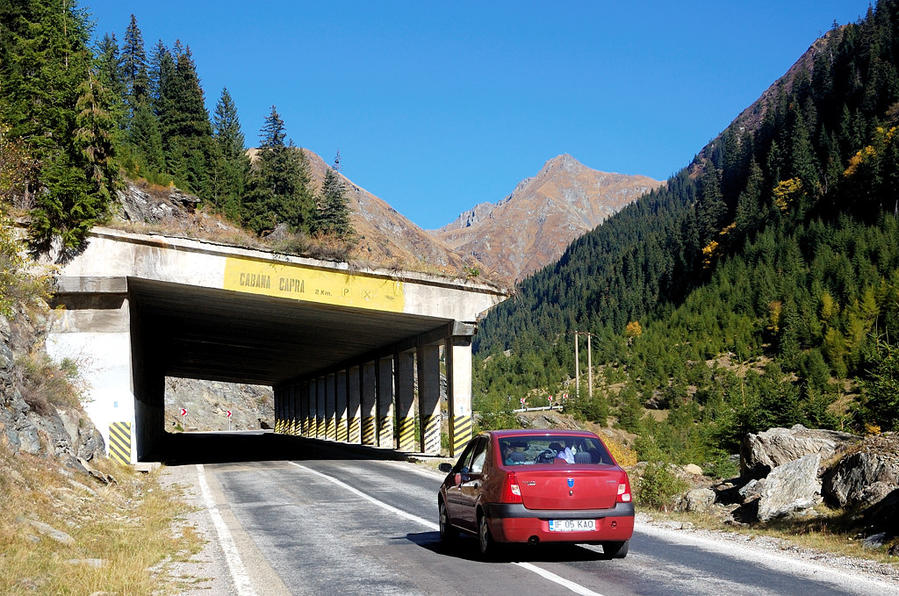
<point>120,442</point>
<point>354,430</point>
<point>331,428</point>
<point>342,429</point>
<point>432,435</point>
<point>294,427</point>
<point>407,434</point>
<point>368,430</point>
<point>461,433</point>
<point>385,432</point>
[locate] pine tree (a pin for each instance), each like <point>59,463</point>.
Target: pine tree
<point>145,139</point>
<point>185,127</point>
<point>277,192</point>
<point>58,107</point>
<point>231,165</point>
<point>332,215</point>
<point>272,134</point>
<point>134,65</point>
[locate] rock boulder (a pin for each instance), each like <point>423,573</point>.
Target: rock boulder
<point>867,475</point>
<point>790,488</point>
<point>760,453</point>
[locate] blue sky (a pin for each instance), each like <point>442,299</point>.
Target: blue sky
<point>438,106</point>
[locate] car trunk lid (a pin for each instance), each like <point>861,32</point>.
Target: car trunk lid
<point>569,488</point>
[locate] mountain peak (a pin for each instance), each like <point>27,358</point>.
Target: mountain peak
<point>532,226</point>
<point>564,160</point>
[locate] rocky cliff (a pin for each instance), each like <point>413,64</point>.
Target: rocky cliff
<point>40,411</point>
<point>531,227</point>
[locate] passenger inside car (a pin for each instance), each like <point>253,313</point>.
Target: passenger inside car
<point>514,453</point>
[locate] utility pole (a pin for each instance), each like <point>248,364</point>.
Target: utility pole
<point>590,364</point>
<point>577,363</point>
<point>577,369</point>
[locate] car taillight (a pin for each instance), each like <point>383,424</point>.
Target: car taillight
<point>511,490</point>
<point>624,492</point>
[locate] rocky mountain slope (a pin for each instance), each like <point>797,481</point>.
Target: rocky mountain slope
<point>208,402</point>
<point>384,238</point>
<point>532,226</point>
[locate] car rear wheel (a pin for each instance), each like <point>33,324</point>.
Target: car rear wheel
<point>615,550</point>
<point>447,531</point>
<point>485,541</point>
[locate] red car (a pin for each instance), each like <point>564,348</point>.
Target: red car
<point>535,486</point>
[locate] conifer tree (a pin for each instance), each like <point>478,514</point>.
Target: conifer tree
<point>57,106</point>
<point>332,215</point>
<point>231,162</point>
<point>277,192</point>
<point>185,127</point>
<point>134,65</point>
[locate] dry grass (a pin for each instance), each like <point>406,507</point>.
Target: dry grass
<point>123,533</point>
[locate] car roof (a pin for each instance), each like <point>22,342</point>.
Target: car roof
<point>536,432</point>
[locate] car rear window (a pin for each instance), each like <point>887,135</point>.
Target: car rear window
<point>558,449</point>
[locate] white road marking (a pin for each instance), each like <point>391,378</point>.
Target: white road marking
<point>557,579</point>
<point>235,565</point>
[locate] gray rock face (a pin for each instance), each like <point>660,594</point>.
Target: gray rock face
<point>61,432</point>
<point>207,403</point>
<point>760,453</point>
<point>790,488</point>
<point>866,477</point>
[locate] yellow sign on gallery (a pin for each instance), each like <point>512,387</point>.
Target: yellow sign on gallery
<point>284,280</point>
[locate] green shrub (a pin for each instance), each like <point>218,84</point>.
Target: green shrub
<point>658,487</point>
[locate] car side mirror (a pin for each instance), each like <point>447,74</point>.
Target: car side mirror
<point>445,468</point>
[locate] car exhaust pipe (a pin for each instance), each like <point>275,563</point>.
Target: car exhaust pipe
<point>533,540</point>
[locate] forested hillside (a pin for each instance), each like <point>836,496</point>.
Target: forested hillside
<point>75,120</point>
<point>760,286</point>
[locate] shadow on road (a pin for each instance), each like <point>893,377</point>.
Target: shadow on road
<point>466,547</point>
<point>194,448</point>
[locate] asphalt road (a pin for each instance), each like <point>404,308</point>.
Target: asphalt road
<point>315,521</point>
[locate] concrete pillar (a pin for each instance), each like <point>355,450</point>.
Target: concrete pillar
<point>295,408</point>
<point>429,398</point>
<point>369,404</point>
<point>309,409</point>
<point>354,398</point>
<point>458,391</point>
<point>330,407</point>
<point>288,408</point>
<point>404,369</point>
<point>320,407</point>
<point>277,397</point>
<point>385,402</point>
<point>341,406</point>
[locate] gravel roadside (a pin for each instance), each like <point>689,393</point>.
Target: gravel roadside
<point>207,571</point>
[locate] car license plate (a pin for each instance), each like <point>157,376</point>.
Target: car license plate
<point>572,525</point>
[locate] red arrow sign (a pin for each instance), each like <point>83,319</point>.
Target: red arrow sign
<point>522,400</point>
<point>228,414</point>
<point>183,412</point>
